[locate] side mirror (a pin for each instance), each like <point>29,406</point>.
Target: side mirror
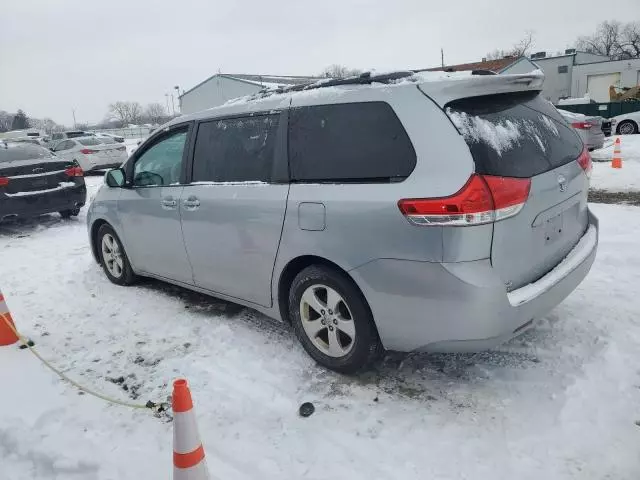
<point>115,178</point>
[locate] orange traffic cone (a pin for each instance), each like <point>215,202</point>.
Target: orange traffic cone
<point>7,333</point>
<point>188,453</point>
<point>616,162</point>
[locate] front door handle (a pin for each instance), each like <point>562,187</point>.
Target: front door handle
<point>168,203</point>
<point>191,203</point>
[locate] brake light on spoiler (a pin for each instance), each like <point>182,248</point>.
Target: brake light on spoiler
<point>484,199</point>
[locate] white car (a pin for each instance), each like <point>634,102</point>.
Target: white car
<point>626,124</point>
<point>117,138</point>
<point>92,153</point>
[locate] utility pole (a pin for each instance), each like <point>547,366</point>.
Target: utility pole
<point>166,96</point>
<point>73,111</point>
<point>442,57</point>
<point>177,89</point>
<point>173,108</point>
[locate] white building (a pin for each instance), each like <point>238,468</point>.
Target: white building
<point>558,71</point>
<point>596,78</point>
<point>221,87</point>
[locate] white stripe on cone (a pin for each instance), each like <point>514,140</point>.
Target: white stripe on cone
<point>199,472</point>
<point>186,439</point>
<point>185,432</point>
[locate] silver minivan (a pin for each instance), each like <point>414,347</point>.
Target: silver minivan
<point>403,211</point>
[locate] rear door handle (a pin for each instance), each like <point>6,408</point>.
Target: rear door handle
<point>168,203</point>
<point>191,203</point>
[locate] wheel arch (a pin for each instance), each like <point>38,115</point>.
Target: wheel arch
<point>627,120</point>
<point>295,266</point>
<point>93,236</point>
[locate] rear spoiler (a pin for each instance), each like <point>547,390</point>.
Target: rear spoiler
<point>445,90</point>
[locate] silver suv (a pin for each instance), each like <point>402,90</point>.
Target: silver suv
<point>399,212</point>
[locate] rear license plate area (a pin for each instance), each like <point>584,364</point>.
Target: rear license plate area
<point>553,228</point>
<point>39,182</point>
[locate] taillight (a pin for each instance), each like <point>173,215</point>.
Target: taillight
<point>484,199</point>
<point>585,162</point>
<point>4,181</point>
<point>74,172</point>
<point>581,125</point>
<point>87,151</point>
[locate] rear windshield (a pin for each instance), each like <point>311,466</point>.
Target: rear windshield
<point>75,134</point>
<point>515,134</point>
<point>11,152</point>
<point>88,142</point>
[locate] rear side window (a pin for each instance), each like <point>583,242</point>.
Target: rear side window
<point>349,142</point>
<point>514,135</point>
<point>22,151</point>
<point>235,149</point>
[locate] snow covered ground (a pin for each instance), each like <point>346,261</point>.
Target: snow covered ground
<point>626,179</point>
<point>558,403</point>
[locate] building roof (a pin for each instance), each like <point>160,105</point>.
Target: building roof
<point>492,65</point>
<point>260,80</point>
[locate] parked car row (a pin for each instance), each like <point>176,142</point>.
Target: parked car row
<point>590,129</point>
<point>91,153</point>
<point>400,218</point>
<point>34,181</point>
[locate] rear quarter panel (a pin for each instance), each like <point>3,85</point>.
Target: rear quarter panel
<point>363,222</point>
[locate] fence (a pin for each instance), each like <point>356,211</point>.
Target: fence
<point>134,132</point>
<point>606,110</point>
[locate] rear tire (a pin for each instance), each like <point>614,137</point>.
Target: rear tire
<point>627,127</point>
<point>332,320</point>
<point>113,258</point>
<point>69,213</point>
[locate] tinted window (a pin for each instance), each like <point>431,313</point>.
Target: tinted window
<point>161,164</point>
<point>75,134</point>
<point>563,69</point>
<point>89,141</point>
<point>235,149</point>
<point>514,135</point>
<point>64,145</point>
<point>349,142</point>
<point>23,151</point>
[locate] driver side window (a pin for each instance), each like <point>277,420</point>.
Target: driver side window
<point>161,164</point>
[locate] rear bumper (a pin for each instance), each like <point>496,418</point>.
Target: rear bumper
<point>463,307</point>
<point>39,204</point>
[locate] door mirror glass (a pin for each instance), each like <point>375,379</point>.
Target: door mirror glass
<point>114,178</point>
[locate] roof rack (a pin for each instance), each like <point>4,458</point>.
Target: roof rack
<point>365,78</point>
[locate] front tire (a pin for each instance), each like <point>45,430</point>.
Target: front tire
<point>332,320</point>
<point>627,127</point>
<point>113,257</point>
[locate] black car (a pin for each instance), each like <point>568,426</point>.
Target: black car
<point>33,181</point>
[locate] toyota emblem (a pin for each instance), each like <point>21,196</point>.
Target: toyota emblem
<point>562,182</point>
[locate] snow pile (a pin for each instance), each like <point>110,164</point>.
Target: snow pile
<point>571,116</point>
<point>517,412</point>
<point>499,136</point>
<point>617,180</point>
<point>575,101</point>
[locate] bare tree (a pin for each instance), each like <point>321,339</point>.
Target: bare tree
<point>339,71</point>
<point>605,41</point>
<point>519,49</point>
<point>119,111</point>
<point>155,112</point>
<point>6,119</point>
<point>630,40</point>
<point>126,112</point>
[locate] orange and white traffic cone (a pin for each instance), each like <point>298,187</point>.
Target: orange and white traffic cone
<point>188,453</point>
<point>7,327</point>
<point>616,162</point>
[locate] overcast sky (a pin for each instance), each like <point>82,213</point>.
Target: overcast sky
<point>56,56</point>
